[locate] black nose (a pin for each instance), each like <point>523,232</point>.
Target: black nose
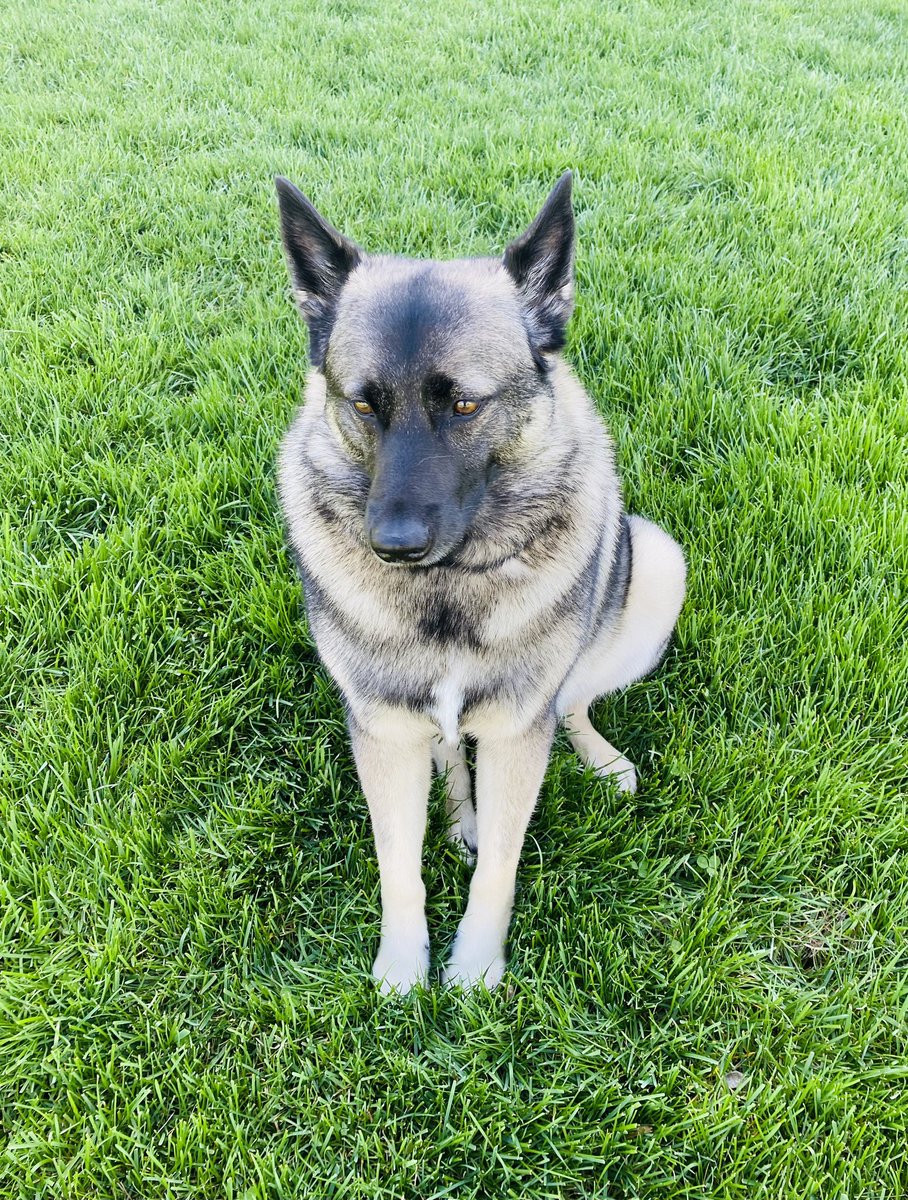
<point>406,539</point>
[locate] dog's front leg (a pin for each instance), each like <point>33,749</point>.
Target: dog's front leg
<point>509,772</point>
<point>395,772</point>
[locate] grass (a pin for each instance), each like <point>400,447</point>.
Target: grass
<point>188,890</point>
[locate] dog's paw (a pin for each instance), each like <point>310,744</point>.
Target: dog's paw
<point>462,832</point>
<point>595,752</point>
<point>468,967</point>
<point>401,964</point>
<point>624,773</point>
<point>617,768</point>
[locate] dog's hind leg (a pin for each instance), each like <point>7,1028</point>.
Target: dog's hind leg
<point>597,753</point>
<point>628,650</point>
<point>451,764</point>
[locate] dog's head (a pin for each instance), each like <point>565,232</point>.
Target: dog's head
<point>436,372</point>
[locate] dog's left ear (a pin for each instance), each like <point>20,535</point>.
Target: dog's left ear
<point>541,263</point>
<point>319,259</point>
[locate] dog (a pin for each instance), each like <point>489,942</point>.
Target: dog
<point>450,493</point>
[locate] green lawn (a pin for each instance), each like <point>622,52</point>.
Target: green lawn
<point>188,891</point>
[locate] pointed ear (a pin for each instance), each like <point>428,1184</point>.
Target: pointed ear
<point>541,263</point>
<point>319,260</point>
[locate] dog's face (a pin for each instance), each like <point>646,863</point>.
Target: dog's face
<point>435,371</point>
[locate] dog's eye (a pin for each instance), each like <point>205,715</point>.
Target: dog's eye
<point>363,408</point>
<point>465,408</point>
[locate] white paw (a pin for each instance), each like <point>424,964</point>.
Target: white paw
<point>622,771</point>
<point>470,966</point>
<point>402,962</point>
<point>462,832</point>
<point>616,767</point>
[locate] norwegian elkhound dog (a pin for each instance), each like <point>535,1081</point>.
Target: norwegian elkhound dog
<point>451,496</point>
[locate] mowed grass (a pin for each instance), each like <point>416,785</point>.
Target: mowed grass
<point>188,891</point>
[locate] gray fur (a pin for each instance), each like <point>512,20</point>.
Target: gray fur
<point>536,593</point>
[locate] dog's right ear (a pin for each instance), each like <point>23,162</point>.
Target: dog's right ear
<point>319,260</point>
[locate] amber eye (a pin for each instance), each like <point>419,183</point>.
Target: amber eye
<point>465,408</point>
<point>362,408</point>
